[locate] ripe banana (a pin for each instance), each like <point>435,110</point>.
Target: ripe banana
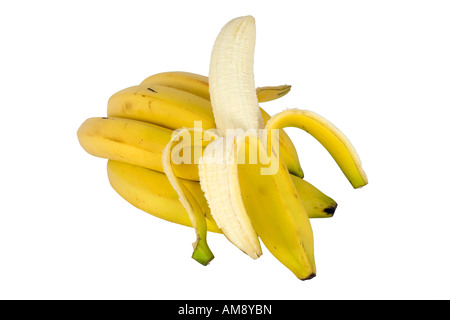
<point>131,141</point>
<point>177,99</point>
<point>243,179</point>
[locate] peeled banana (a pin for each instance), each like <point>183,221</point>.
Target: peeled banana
<point>254,200</point>
<point>200,152</point>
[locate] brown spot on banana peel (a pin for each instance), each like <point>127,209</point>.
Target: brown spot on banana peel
<point>127,106</point>
<point>152,90</point>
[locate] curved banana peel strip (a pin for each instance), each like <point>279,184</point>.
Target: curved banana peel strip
<point>334,141</point>
<point>202,252</point>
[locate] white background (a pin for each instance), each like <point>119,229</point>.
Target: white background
<point>379,70</point>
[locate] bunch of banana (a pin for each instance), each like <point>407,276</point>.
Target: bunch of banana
<point>200,152</point>
<point>134,148</point>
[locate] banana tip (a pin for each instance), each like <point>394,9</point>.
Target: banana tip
<point>312,275</point>
<point>330,210</point>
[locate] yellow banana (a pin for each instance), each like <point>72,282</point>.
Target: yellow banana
<point>180,103</point>
<point>131,141</point>
<point>164,106</point>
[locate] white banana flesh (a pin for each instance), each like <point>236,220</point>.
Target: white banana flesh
<point>231,81</point>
